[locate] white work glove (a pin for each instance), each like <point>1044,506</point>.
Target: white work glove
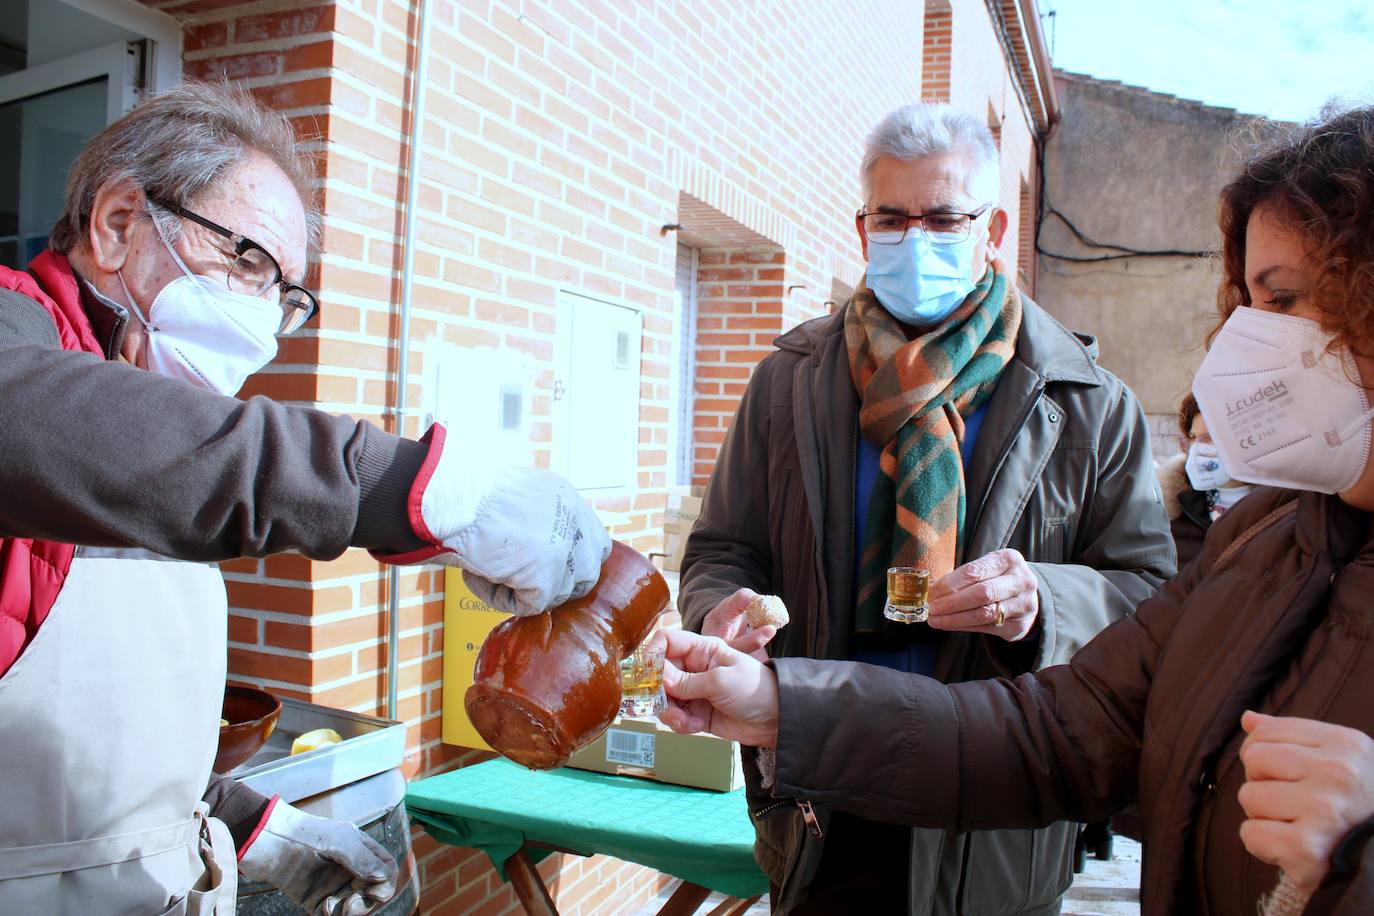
<point>329,868</point>
<point>526,540</point>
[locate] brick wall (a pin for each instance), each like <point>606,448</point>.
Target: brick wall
<point>559,138</point>
<point>739,313</point>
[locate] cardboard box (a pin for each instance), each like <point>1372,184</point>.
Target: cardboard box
<point>648,749</point>
<point>679,515</point>
<point>467,621</point>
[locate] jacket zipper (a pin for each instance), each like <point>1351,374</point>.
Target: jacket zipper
<point>770,808</point>
<point>1207,782</point>
<point>1207,800</point>
<point>808,813</point>
<point>813,825</point>
<point>1036,394</point>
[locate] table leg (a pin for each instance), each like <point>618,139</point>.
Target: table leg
<point>685,900</point>
<point>529,886</point>
<point>734,906</point>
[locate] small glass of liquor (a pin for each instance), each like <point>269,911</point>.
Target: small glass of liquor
<point>641,681</point>
<point>908,591</point>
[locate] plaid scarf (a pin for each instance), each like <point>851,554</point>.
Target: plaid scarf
<point>915,394</point>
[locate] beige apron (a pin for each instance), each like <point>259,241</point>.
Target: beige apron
<point>109,722</point>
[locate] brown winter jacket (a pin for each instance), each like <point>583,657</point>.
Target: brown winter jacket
<point>1061,471</point>
<point>1149,711</point>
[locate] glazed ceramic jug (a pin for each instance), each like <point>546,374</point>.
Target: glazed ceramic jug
<point>545,686</point>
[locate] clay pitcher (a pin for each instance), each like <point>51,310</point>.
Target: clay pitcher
<point>547,685</point>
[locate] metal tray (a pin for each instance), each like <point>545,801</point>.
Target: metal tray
<point>371,745</point>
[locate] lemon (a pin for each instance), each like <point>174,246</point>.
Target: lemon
<point>312,740</point>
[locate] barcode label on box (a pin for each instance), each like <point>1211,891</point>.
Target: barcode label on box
<point>634,748</point>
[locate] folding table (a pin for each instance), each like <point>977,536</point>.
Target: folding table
<point>519,816</point>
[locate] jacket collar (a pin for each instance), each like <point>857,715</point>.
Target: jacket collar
<point>1043,345</point>
<point>108,320</point>
<point>1329,523</point>
<point>100,326</point>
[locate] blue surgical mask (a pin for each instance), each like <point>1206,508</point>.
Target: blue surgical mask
<point>919,283</point>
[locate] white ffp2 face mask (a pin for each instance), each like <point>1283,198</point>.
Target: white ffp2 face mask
<point>1281,409</point>
<point>1204,468</point>
<point>203,333</point>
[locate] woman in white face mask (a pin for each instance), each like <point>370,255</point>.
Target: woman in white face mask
<point>1234,705</point>
<point>1197,489</point>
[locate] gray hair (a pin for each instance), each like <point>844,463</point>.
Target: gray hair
<point>916,131</point>
<point>174,146</point>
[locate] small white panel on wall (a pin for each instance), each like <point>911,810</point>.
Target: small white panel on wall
<point>596,393</point>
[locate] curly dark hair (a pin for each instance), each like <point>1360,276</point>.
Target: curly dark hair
<point>1320,178</point>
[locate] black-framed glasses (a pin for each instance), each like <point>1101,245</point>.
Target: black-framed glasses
<point>255,271</point>
<point>886,227</point>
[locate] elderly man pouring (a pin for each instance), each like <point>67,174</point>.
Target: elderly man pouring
<point>939,420</point>
<point>175,266</point>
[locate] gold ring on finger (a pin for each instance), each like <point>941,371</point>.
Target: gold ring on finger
<point>1001,614</point>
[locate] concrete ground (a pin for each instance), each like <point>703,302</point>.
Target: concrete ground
<point>1108,888</point>
<point>1104,889</point>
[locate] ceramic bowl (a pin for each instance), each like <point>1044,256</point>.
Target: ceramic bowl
<point>252,714</point>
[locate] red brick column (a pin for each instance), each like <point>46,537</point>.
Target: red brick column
<point>1026,231</point>
<point>936,47</point>
<point>739,314</point>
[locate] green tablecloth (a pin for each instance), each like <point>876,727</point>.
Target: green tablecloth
<point>699,836</point>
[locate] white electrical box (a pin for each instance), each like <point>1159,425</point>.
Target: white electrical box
<point>597,393</point>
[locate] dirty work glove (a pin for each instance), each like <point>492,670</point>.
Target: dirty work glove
<point>328,867</point>
<point>526,540</point>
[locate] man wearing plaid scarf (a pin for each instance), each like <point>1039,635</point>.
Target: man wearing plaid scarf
<point>941,420</point>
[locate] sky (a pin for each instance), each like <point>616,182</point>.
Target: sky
<point>1279,58</point>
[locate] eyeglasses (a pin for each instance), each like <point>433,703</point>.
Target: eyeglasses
<point>943,228</point>
<point>255,271</point>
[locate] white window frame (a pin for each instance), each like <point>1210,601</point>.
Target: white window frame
<point>115,61</point>
<point>683,394</point>
<point>162,30</point>
<point>112,61</point>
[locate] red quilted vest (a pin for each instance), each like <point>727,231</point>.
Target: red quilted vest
<point>32,572</point>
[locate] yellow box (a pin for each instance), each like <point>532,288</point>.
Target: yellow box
<point>651,750</point>
<point>467,621</point>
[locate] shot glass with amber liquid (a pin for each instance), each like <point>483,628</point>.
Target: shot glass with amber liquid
<point>641,680</point>
<point>908,594</point>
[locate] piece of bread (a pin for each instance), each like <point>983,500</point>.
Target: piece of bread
<point>766,611</point>
<point>314,740</point>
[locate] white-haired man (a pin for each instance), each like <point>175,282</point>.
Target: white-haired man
<point>940,420</point>
<point>176,264</point>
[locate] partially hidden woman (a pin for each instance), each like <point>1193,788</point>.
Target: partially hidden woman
<point>1196,488</point>
<point>1235,706</point>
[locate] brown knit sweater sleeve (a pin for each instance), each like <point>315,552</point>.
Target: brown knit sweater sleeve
<point>100,453</point>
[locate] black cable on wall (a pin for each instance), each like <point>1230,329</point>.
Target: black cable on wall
<point>1046,210</point>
